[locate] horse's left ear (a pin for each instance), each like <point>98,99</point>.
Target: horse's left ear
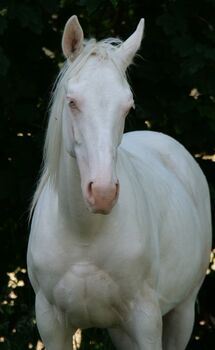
<point>72,41</point>
<point>128,49</point>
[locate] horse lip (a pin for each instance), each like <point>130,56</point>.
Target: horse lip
<point>101,211</point>
<point>94,210</point>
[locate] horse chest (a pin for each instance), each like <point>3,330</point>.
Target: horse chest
<point>89,296</point>
<point>93,282</point>
<point>93,286</point>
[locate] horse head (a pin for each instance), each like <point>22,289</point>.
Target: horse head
<point>96,102</point>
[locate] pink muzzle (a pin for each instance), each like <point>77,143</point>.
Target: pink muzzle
<point>101,198</point>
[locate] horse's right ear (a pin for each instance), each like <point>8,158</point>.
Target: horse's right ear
<point>128,49</point>
<point>72,41</point>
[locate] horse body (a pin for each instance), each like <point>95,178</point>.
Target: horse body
<point>134,269</point>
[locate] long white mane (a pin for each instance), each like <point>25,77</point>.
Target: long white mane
<point>105,50</point>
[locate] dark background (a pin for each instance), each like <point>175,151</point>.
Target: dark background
<point>174,87</point>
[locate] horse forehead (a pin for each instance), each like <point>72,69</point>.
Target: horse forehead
<point>101,67</point>
<point>107,85</point>
<point>97,89</point>
<point>100,76</point>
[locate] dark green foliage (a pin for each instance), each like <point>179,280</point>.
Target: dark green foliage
<point>174,85</point>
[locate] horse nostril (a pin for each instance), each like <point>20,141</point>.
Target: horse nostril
<point>90,194</point>
<point>90,189</point>
<point>117,189</point>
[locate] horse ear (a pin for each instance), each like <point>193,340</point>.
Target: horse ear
<point>128,49</point>
<point>72,41</point>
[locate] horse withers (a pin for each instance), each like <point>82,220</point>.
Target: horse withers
<point>121,228</point>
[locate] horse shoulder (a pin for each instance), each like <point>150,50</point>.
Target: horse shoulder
<point>43,245</point>
<point>166,152</point>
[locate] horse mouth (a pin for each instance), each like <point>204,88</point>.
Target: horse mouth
<point>101,210</point>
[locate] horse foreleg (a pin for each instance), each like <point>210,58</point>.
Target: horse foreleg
<point>143,328</point>
<point>55,333</point>
<point>122,340</point>
<point>178,325</point>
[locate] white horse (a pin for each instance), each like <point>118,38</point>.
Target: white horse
<point>137,270</point>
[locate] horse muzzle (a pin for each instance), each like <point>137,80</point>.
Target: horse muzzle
<point>101,198</point>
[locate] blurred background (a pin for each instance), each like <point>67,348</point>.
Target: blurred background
<point>173,81</point>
